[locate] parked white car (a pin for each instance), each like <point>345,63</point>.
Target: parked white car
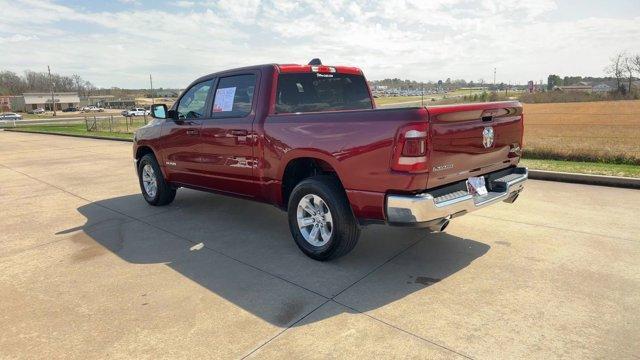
<point>10,116</point>
<point>136,112</point>
<point>38,111</point>
<point>92,108</point>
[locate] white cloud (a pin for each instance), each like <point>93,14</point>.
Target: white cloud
<point>184,4</point>
<point>422,40</point>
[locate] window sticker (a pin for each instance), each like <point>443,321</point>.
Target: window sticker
<point>224,99</point>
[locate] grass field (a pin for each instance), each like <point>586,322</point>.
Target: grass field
<point>583,167</point>
<point>603,131</point>
<point>73,129</point>
<point>118,128</point>
<point>74,114</point>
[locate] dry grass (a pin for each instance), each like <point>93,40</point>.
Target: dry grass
<point>603,131</point>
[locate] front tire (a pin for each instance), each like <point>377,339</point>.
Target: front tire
<point>320,218</point>
<point>155,190</point>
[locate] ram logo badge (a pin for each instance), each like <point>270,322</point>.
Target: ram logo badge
<point>487,137</point>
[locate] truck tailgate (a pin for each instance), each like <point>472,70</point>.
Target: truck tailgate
<point>473,139</point>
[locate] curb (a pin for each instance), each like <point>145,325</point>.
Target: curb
<point>601,180</point>
<point>71,135</point>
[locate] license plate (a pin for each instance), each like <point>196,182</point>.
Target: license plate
<point>476,185</point>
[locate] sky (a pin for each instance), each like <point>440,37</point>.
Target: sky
<point>120,42</point>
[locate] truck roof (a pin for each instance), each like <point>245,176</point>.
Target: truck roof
<point>290,68</point>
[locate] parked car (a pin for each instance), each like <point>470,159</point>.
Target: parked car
<point>38,111</point>
<point>10,116</point>
<point>136,112</point>
<point>70,109</point>
<point>309,140</point>
<point>92,108</point>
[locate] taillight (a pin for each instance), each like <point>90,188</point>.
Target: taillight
<point>410,154</point>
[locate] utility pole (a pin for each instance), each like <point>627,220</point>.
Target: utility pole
<point>151,82</point>
<point>53,99</point>
<point>495,88</point>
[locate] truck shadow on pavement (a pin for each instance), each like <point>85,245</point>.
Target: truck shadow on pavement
<point>249,258</point>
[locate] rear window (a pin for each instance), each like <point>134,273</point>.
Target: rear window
<point>312,92</point>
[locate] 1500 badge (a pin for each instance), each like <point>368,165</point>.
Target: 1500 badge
<point>443,167</point>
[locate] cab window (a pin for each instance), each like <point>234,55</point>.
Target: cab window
<point>234,96</point>
<point>192,104</point>
<point>313,92</point>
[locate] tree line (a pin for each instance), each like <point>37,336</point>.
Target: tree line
<point>623,69</point>
<point>31,81</point>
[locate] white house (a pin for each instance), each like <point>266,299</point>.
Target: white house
<point>601,88</point>
<point>63,100</point>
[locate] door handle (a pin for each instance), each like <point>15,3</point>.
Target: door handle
<point>192,132</point>
<point>239,132</point>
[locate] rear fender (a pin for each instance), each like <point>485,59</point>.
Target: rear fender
<point>308,153</point>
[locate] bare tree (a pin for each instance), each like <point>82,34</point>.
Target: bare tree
<point>616,69</point>
<point>11,83</point>
<point>635,62</point>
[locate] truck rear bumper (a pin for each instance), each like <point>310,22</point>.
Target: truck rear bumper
<point>435,207</point>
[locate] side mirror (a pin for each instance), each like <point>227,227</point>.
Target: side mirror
<point>159,111</point>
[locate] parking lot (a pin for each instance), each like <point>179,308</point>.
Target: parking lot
<point>89,270</point>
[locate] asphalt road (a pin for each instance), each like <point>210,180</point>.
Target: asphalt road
<point>88,270</point>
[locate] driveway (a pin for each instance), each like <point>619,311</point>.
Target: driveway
<point>88,270</point>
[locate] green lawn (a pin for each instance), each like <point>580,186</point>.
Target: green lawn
<point>74,129</point>
<point>60,114</point>
<point>583,167</point>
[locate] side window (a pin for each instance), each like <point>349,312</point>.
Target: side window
<point>234,96</point>
<point>192,104</point>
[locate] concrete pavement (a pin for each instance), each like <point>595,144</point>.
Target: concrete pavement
<point>88,270</point>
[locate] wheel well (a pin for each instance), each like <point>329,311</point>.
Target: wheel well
<point>142,151</point>
<point>300,169</point>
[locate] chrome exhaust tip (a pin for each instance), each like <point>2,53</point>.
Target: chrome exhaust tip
<point>512,198</point>
<point>440,226</point>
<point>444,225</point>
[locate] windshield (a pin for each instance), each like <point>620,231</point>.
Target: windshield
<point>312,92</point>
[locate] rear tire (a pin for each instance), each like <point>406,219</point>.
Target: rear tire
<point>320,218</point>
<point>155,190</point>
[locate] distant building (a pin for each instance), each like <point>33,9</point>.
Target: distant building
<point>109,102</point>
<point>31,101</point>
<point>601,88</point>
<point>574,88</point>
<point>6,103</point>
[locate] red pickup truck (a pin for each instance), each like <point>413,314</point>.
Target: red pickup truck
<point>309,139</point>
